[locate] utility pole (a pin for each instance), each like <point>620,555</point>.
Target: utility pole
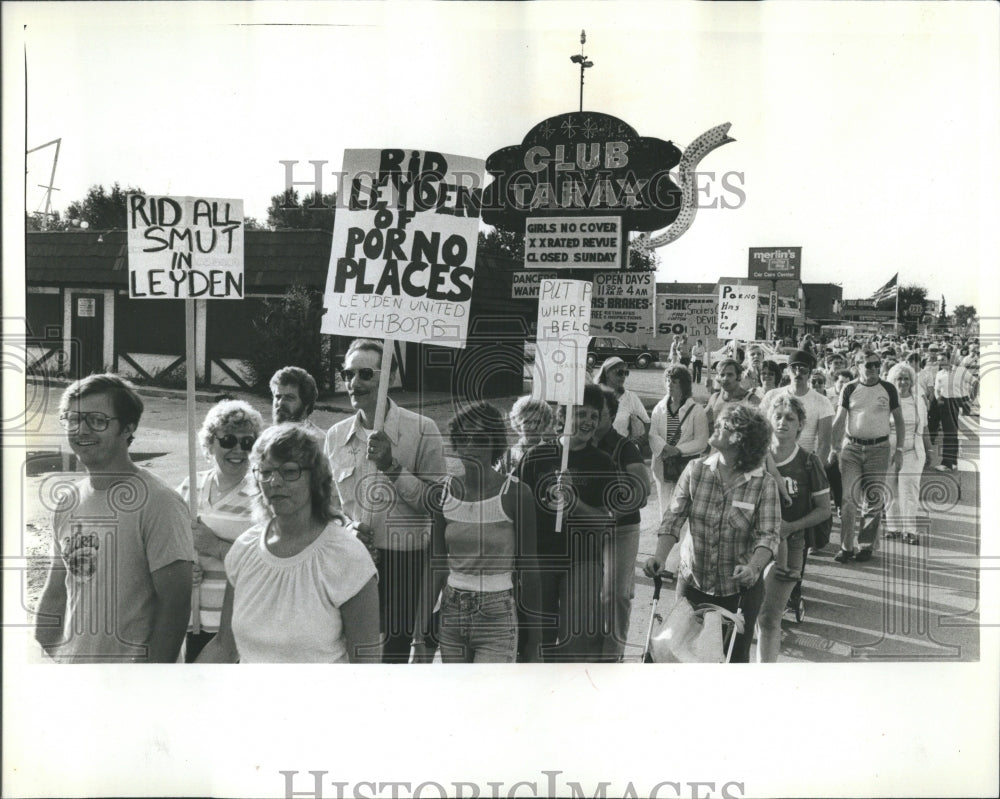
<point>52,178</point>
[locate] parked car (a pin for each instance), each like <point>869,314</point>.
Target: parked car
<point>603,347</point>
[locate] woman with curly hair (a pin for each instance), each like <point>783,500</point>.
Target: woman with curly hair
<point>301,587</point>
<point>224,505</point>
<point>734,512</point>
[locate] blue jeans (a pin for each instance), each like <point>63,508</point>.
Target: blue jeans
<point>862,471</point>
<point>478,626</point>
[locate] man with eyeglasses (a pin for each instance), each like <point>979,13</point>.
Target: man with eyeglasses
<point>862,446</point>
<point>119,584</point>
<point>381,479</point>
<point>293,397</point>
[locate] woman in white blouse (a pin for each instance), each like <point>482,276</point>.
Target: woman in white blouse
<point>904,485</point>
<point>301,587</point>
<point>632,418</point>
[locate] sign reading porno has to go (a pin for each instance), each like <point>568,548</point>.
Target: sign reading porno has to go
<point>573,242</point>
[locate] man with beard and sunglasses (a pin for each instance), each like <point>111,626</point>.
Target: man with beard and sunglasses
<point>861,444</point>
<point>381,478</point>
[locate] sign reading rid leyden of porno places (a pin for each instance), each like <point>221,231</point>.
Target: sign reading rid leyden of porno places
<point>185,248</point>
<point>561,344</point>
<point>403,256</point>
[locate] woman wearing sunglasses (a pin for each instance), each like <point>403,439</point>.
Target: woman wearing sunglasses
<point>632,419</point>
<point>301,587</point>
<point>224,493</point>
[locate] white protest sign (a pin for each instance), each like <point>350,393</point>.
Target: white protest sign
<point>579,242</point>
<point>561,344</point>
<point>737,312</point>
<point>185,247</point>
<point>404,247</point>
<point>623,303</point>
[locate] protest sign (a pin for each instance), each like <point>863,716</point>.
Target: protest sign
<point>404,246</point>
<point>737,312</point>
<point>185,247</point>
<point>561,344</point>
<point>573,242</point>
<point>624,302</point>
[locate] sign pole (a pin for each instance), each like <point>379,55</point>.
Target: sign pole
<point>189,357</point>
<point>566,434</point>
<point>382,400</point>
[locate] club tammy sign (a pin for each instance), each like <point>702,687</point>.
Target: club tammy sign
<point>584,164</point>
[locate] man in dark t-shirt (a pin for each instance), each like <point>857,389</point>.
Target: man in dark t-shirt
<point>570,557</point>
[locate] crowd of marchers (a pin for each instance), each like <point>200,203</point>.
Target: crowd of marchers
<point>359,544</point>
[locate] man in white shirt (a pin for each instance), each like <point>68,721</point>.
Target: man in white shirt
<point>381,479</point>
<point>815,436</point>
<point>951,385</point>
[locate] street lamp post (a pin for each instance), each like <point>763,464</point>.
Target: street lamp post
<point>581,59</point>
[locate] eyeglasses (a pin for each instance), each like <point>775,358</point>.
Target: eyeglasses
<point>620,372</point>
<point>229,441</point>
<point>872,364</point>
<point>289,473</point>
<point>96,421</point>
<point>365,374</point>
<point>800,367</point>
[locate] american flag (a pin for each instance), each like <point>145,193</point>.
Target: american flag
<point>887,292</point>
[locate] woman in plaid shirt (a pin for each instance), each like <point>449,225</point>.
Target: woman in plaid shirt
<point>734,511</point>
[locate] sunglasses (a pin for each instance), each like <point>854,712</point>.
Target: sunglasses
<point>230,441</point>
<point>347,375</point>
<point>620,372</point>
<point>872,364</point>
<point>97,422</point>
<point>289,473</point>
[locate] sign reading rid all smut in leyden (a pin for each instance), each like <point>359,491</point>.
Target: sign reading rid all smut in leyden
<point>573,242</point>
<point>185,248</point>
<point>403,255</point>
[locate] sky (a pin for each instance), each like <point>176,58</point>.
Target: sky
<point>867,138</point>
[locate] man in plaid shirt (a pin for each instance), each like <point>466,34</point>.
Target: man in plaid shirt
<point>734,511</point>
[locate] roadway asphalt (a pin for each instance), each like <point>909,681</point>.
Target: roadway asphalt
<point>909,603</point>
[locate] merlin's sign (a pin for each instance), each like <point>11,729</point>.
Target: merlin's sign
<point>775,263</point>
<point>584,164</point>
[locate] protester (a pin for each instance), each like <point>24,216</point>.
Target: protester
<point>484,531</point>
<point>119,582</point>
<point>301,587</point>
<point>698,353</point>
<point>678,428</point>
<point>531,421</point>
<point>865,408</point>
<point>815,433</point>
<point>734,512</point>
<point>770,377</point>
<point>684,351</point>
<point>904,485</point>
<point>621,548</point>
<point>949,390</point>
<point>381,478</point>
<point>632,419</point>
<point>817,382</point>
<point>751,379</point>
<point>571,580</point>
<point>224,508</point>
<point>293,397</point>
<point>806,484</point>
<point>731,391</point>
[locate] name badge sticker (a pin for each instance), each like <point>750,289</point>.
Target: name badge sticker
<point>743,505</point>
